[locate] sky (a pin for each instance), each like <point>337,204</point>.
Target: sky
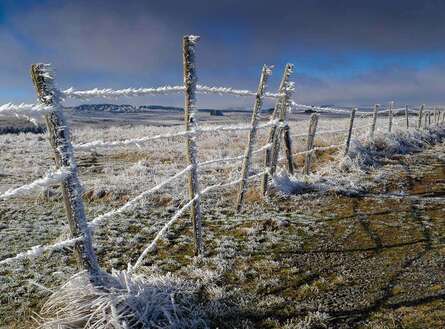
<point>345,52</point>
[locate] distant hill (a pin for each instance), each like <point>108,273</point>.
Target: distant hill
<point>126,108</point>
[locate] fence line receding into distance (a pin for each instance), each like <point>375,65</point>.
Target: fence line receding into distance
<point>50,105</point>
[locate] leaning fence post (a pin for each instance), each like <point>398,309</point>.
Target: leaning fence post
<point>280,109</point>
<point>390,116</point>
<point>351,124</point>
<point>407,116</point>
<point>59,137</point>
<point>265,73</point>
<point>310,143</point>
<point>190,80</point>
<point>419,119</point>
<point>374,121</point>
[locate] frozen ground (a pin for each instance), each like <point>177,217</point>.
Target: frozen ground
<point>369,259</point>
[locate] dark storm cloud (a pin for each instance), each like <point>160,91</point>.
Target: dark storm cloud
<point>121,43</point>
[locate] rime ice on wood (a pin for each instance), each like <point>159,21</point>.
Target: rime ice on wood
<point>390,116</point>
<point>407,116</point>
<point>351,124</point>
<point>310,143</point>
<point>265,73</point>
<point>419,119</point>
<point>190,81</point>
<point>374,121</point>
<point>59,135</point>
<point>275,132</point>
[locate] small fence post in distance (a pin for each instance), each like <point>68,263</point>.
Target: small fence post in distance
<point>420,115</point>
<point>190,80</point>
<point>265,73</point>
<point>374,121</point>
<point>310,143</point>
<point>59,137</point>
<point>351,124</point>
<point>407,116</point>
<point>275,131</point>
<point>390,114</point>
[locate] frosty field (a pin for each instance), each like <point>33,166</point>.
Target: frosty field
<point>354,245</point>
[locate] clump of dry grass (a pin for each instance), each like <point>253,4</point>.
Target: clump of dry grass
<point>128,301</point>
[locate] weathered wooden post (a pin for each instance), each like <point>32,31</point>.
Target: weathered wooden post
<point>288,146</point>
<point>310,143</point>
<point>351,124</point>
<point>374,121</point>
<point>436,116</point>
<point>265,73</point>
<point>419,119</point>
<point>390,114</point>
<point>59,137</point>
<point>190,80</point>
<point>430,114</point>
<point>426,119</point>
<point>275,132</point>
<point>407,116</point>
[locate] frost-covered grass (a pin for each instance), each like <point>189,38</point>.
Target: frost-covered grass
<point>150,301</point>
<point>274,266</point>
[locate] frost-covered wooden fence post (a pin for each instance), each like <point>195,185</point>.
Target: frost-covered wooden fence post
<point>430,114</point>
<point>420,115</point>
<point>351,124</point>
<point>407,116</point>
<point>288,145</point>
<point>390,116</point>
<point>190,81</point>
<point>265,73</point>
<point>310,143</point>
<point>59,137</point>
<point>374,121</point>
<point>436,116</point>
<point>275,132</point>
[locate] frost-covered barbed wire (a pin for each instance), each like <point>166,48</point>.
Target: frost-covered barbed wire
<point>327,132</point>
<point>179,213</point>
<point>319,109</point>
<point>30,112</point>
<point>136,141</point>
<point>134,201</point>
<point>50,179</point>
<point>38,250</point>
<point>237,158</point>
<point>318,148</point>
<point>163,90</point>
